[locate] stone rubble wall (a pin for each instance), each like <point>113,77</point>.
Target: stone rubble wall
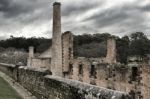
<point>116,76</point>
<point>45,86</point>
<point>8,69</point>
<point>40,63</point>
<point>67,50</point>
<point>111,51</point>
<point>145,82</point>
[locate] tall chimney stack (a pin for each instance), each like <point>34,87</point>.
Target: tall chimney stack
<point>56,65</point>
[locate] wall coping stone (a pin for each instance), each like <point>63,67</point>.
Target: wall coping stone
<point>95,90</point>
<point>8,65</point>
<point>34,69</point>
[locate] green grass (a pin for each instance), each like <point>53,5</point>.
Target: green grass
<point>6,91</point>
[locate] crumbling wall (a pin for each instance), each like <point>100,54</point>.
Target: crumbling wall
<point>45,86</point>
<point>121,78</point>
<point>67,50</point>
<point>81,70</point>
<point>78,90</point>
<point>127,78</point>
<point>145,82</point>
<point>101,76</point>
<point>111,51</point>
<point>41,62</point>
<point>89,70</point>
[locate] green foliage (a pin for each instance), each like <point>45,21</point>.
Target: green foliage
<point>91,50</point>
<point>88,45</point>
<point>122,49</point>
<point>89,38</point>
<point>6,91</point>
<point>139,44</point>
<point>24,43</point>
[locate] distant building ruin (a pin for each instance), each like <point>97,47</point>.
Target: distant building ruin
<point>105,72</point>
<point>111,51</point>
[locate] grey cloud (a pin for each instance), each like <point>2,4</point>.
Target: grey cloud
<point>123,19</point>
<point>12,9</point>
<point>114,15</point>
<point>81,7</point>
<point>18,14</point>
<point>119,19</point>
<point>145,8</point>
<point>24,10</point>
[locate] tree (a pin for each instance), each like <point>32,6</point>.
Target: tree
<point>139,44</point>
<point>122,49</point>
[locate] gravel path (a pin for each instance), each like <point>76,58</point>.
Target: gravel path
<point>22,91</point>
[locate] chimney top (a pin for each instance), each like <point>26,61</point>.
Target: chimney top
<point>56,3</point>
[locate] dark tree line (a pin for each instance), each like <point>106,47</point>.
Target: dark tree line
<point>40,44</point>
<point>135,44</point>
<point>89,45</point>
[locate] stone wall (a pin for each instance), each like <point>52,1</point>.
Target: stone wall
<point>9,69</point>
<point>133,79</point>
<point>145,82</point>
<point>67,50</point>
<point>111,51</point>
<point>40,63</point>
<point>45,86</point>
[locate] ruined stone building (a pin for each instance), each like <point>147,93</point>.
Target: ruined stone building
<point>105,72</point>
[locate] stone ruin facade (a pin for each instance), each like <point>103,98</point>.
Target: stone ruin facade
<point>104,72</point>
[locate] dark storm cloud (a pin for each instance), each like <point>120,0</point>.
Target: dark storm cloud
<point>78,16</point>
<point>25,10</point>
<point>12,9</point>
<point>16,16</point>
<point>125,18</point>
<point>108,17</point>
<point>146,8</point>
<point>79,8</point>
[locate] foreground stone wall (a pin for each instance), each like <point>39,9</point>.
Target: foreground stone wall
<point>9,69</point>
<point>45,86</point>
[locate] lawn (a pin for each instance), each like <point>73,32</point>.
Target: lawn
<point>6,91</point>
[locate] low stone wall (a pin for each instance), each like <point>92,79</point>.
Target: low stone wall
<point>8,69</point>
<point>44,86</point>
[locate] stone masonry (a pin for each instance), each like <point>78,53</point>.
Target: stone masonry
<point>103,71</point>
<point>45,86</point>
<point>111,51</point>
<point>31,55</point>
<point>56,63</point>
<point>67,50</point>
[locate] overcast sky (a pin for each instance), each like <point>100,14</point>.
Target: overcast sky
<point>34,17</point>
